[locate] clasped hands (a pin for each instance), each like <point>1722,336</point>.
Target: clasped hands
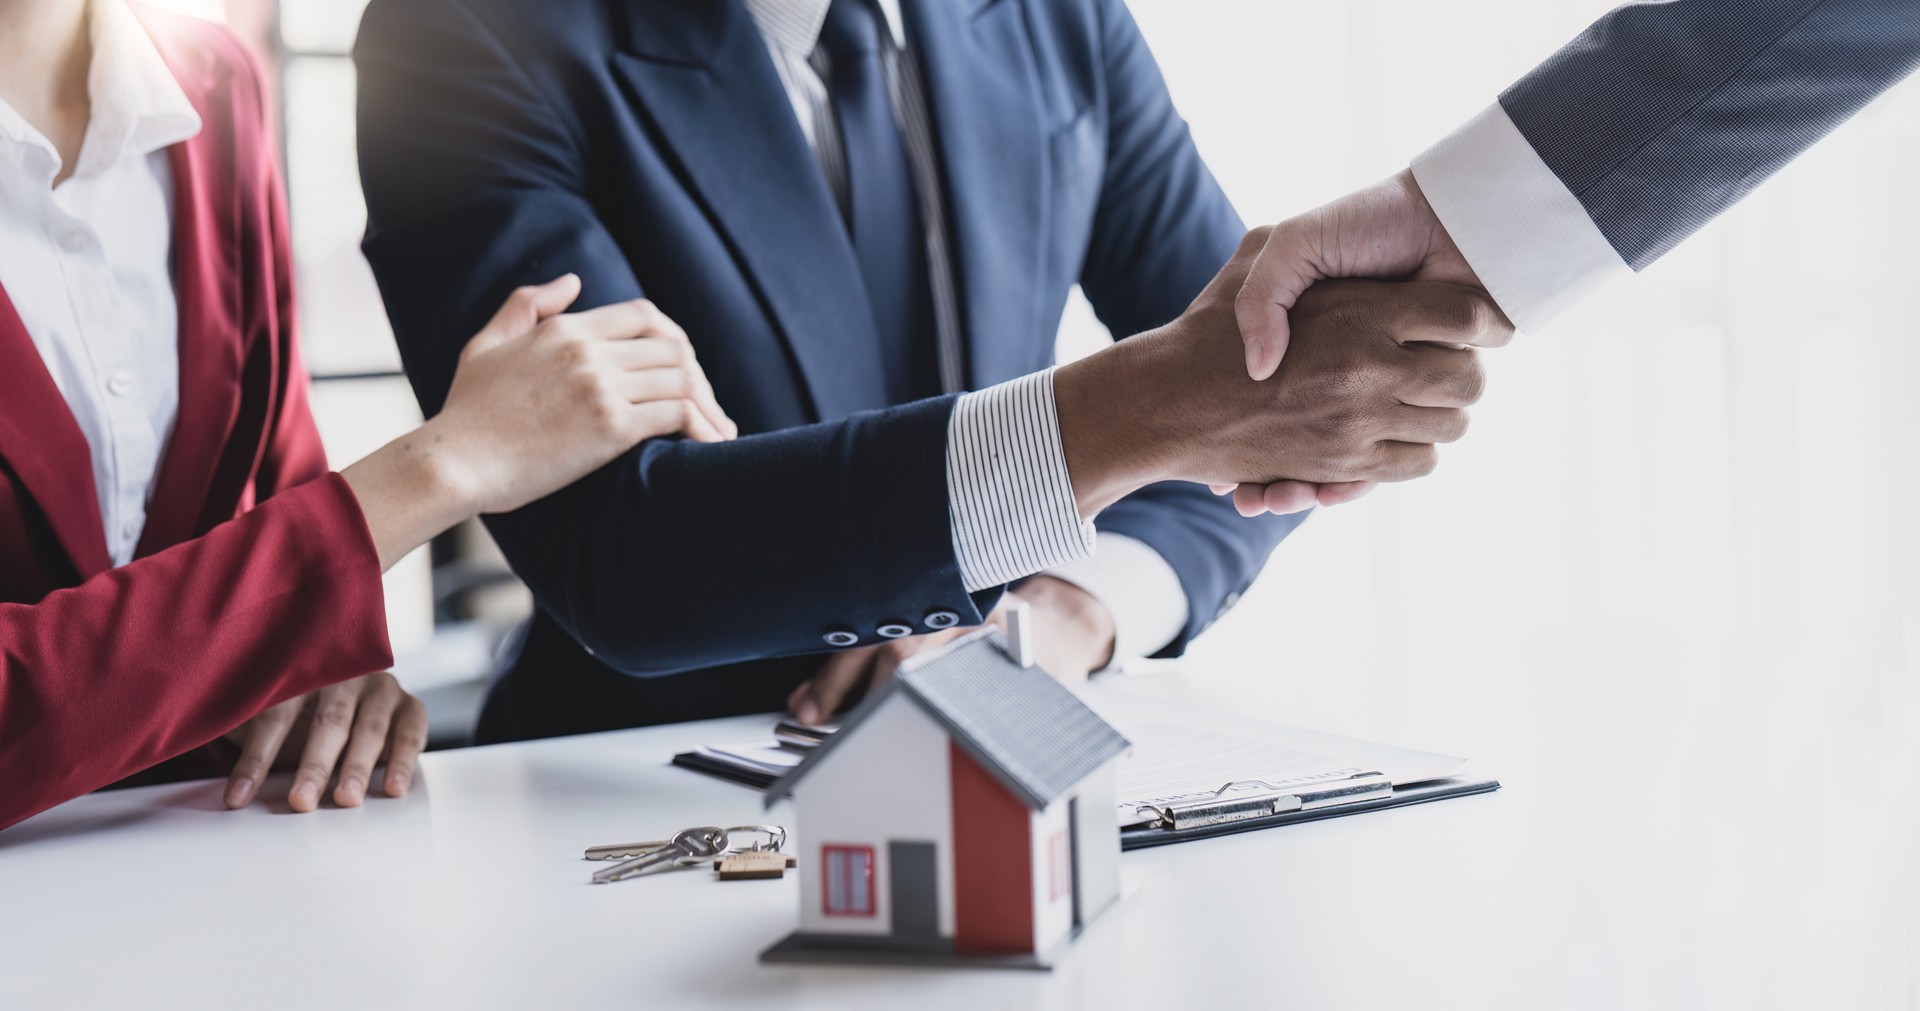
<point>1375,375</point>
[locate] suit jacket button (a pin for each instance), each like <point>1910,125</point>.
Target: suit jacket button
<point>894,630</point>
<point>940,618</point>
<point>840,637</point>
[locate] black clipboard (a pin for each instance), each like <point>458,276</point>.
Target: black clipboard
<point>1141,837</point>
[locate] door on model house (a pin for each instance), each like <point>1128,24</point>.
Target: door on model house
<point>916,900</point>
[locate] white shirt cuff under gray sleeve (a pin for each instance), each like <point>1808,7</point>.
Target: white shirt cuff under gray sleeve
<point>1520,228</point>
<point>1140,591</point>
<point>1011,504</point>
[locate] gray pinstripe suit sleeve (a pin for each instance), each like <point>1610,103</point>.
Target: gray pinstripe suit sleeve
<point>1663,114</point>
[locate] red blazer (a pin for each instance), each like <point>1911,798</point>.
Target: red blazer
<point>256,579</point>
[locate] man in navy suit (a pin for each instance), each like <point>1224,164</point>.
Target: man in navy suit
<point>859,210</point>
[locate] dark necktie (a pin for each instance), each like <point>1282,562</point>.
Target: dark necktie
<point>882,215</point>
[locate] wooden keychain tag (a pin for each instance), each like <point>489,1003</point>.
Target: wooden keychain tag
<point>754,864</point>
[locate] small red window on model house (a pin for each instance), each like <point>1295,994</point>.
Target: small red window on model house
<point>1059,871</point>
<point>849,880</point>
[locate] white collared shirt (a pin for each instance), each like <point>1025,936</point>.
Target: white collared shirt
<point>88,265</point>
<point>1522,231</point>
<point>1010,499</point>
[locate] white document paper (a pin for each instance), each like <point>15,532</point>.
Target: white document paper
<point>762,756</point>
<point>1184,755</point>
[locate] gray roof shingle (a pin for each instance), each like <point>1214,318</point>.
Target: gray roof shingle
<point>1024,727</point>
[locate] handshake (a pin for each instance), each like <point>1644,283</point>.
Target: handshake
<point>1375,375</point>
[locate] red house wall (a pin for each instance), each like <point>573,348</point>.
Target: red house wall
<point>992,862</point>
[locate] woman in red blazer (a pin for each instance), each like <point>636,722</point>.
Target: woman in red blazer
<point>256,578</point>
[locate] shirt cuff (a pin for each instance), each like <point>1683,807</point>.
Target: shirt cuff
<point>1522,231</point>
<point>1141,592</point>
<point>1009,498</point>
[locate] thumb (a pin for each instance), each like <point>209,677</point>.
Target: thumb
<point>1284,268</point>
<point>525,308</point>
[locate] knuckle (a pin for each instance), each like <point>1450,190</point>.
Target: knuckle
<point>314,769</point>
<point>1421,461</point>
<point>334,713</point>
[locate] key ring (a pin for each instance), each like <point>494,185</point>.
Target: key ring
<point>775,842</point>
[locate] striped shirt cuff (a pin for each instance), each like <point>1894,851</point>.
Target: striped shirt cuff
<point>1522,231</point>
<point>1010,501</point>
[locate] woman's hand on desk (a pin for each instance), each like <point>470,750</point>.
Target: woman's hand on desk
<point>349,726</point>
<point>1073,635</point>
<point>541,399</point>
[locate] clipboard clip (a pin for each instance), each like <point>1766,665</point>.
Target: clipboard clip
<point>1224,806</point>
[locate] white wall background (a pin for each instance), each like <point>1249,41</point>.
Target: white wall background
<point>1674,564</point>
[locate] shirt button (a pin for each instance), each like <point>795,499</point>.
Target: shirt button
<point>894,630</point>
<point>940,617</point>
<point>120,383</point>
<point>840,637</point>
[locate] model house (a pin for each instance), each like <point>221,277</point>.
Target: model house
<point>963,814</point>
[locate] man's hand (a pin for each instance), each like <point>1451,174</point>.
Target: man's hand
<point>351,725</point>
<point>1387,231</point>
<point>1378,374</point>
<point>1073,635</point>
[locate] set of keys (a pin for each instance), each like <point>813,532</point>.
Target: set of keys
<point>762,857</point>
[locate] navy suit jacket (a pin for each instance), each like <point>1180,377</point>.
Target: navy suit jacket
<point>647,146</point>
<point>1662,115</point>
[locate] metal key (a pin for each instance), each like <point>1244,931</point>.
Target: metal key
<point>776,839</point>
<point>694,845</point>
<point>627,851</point>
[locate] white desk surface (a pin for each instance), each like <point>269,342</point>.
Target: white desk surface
<point>471,893</point>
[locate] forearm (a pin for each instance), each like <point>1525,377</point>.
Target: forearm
<point>410,492</point>
<point>682,556</point>
<point>160,656</point>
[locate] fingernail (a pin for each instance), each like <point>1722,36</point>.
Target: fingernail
<point>351,792</point>
<point>808,713</point>
<point>239,792</point>
<point>396,785</point>
<point>304,797</point>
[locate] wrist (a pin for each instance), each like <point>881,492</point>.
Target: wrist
<point>1077,617</point>
<point>1112,424</point>
<point>442,470</point>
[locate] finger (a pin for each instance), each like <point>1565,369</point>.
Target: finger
<point>673,383</point>
<point>653,352</point>
<point>1405,461</point>
<point>830,687</point>
<point>408,739</point>
<point>367,740</point>
<point>332,722</point>
<point>1440,312</point>
<point>1283,498</point>
<point>1248,500</point>
<point>704,397</point>
<point>1441,377</point>
<point>1342,492</point>
<point>887,659</point>
<point>700,427</point>
<point>265,734</point>
<point>1407,423</point>
<point>525,308</point>
<point>619,321</point>
<point>1284,267</point>
<point>659,417</point>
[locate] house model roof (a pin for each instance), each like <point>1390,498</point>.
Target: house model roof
<point>1021,725</point>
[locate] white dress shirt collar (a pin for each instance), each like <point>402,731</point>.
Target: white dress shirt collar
<point>136,105</point>
<point>794,25</point>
